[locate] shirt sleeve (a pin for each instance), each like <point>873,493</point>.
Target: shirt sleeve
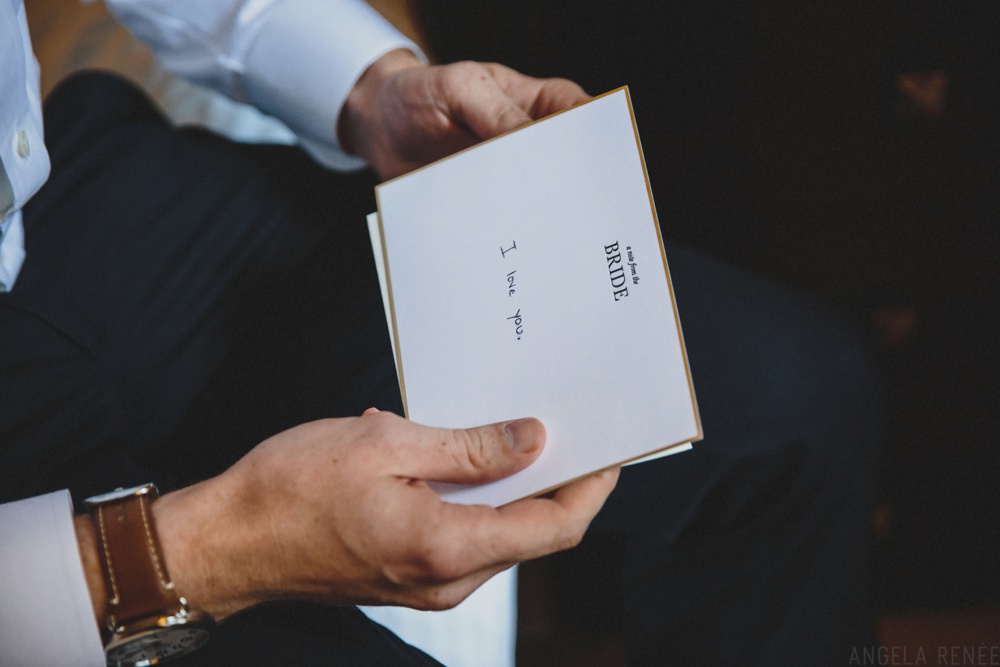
<point>294,59</point>
<point>46,616</point>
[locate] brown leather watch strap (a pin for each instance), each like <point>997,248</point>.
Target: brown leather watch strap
<point>135,575</point>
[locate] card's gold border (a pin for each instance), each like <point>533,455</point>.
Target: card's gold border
<point>663,256</point>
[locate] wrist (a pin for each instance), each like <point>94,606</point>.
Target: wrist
<point>142,615</point>
<point>198,543</point>
<point>358,117</point>
<point>204,550</point>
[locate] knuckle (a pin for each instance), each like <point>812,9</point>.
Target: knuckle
<point>441,599</point>
<point>442,568</point>
<point>507,114</point>
<point>473,450</point>
<point>573,541</point>
<point>470,68</point>
<point>458,74</point>
<point>422,554</point>
<point>426,556</point>
<point>570,540</point>
<point>379,429</point>
<point>437,556</point>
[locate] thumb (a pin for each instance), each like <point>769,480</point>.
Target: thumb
<point>477,455</point>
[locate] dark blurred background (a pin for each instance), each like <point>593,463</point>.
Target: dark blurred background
<point>850,148</point>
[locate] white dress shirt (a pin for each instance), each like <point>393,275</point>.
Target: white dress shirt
<point>46,617</point>
<point>24,162</point>
<point>295,59</point>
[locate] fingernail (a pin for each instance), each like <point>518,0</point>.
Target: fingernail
<point>522,435</point>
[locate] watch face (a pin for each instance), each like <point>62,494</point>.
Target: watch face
<point>155,646</point>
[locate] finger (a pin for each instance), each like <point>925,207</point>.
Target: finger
<point>555,95</point>
<point>484,537</point>
<point>434,596</point>
<point>557,523</point>
<point>477,102</point>
<point>538,97</point>
<point>473,455</point>
<point>370,411</point>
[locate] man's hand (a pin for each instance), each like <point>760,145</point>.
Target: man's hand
<point>339,511</point>
<point>403,114</point>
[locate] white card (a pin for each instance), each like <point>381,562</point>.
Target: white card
<point>526,277</point>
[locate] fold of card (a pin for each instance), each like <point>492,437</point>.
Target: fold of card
<point>526,276</point>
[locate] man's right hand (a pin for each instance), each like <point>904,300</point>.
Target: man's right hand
<point>402,114</point>
<point>339,511</point>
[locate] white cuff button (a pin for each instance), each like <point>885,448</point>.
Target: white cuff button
<point>23,147</point>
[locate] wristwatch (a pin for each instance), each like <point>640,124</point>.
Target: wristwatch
<point>147,622</point>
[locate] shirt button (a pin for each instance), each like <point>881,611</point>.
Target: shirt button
<point>23,147</point>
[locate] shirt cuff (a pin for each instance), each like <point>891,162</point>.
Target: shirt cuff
<point>11,250</point>
<point>46,615</point>
<point>307,58</point>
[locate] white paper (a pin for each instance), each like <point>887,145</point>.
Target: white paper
<point>375,237</point>
<point>526,277</point>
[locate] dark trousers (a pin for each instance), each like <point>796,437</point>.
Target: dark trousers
<point>185,297</point>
